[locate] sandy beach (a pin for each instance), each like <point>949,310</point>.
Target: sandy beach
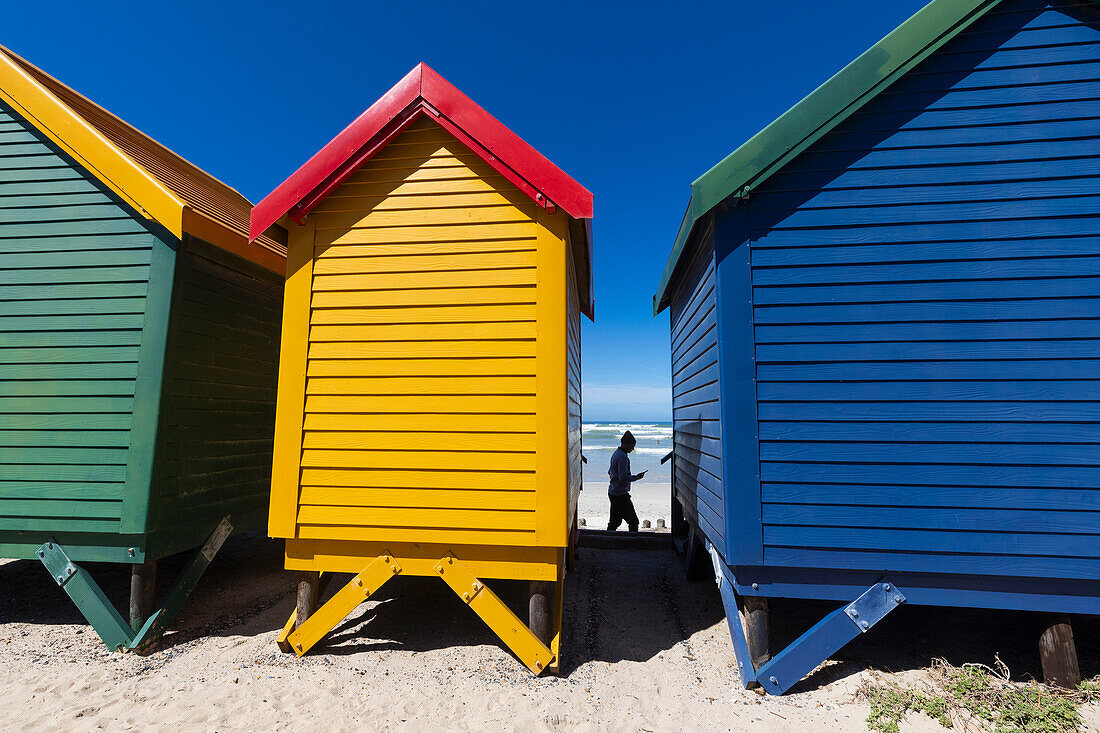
<point>645,650</point>
<point>652,500</point>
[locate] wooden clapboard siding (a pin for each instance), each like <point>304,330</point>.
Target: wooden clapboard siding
<point>573,385</point>
<point>218,399</point>
<point>697,426</point>
<point>927,315</point>
<point>75,267</point>
<point>420,418</point>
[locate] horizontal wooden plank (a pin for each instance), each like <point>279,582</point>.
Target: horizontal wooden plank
<point>1026,131</point>
<point>41,292</point>
<point>420,479</point>
<point>67,388</point>
<point>71,421</point>
<point>931,432</point>
<point>13,456</point>
<point>426,263</point>
<point>42,405</point>
<point>75,307</point>
<point>1003,543</point>
<point>702,411</point>
<point>44,339</point>
<point>405,332</point>
<point>428,187</point>
<point>937,518</point>
<point>521,294</point>
<point>1002,391</point>
<point>421,349</point>
<point>417,517</point>
<point>350,201</point>
<point>74,259</point>
<point>943,311</point>
<point>111,370</point>
<point>1004,269</point>
<point>427,367</point>
<point>430,314</point>
<point>940,231</point>
<point>463,216</point>
<point>456,279</point>
<point>25,524</point>
<point>504,404</point>
<point>397,497</point>
<point>332,253</point>
<point>947,191</point>
<point>57,276</point>
<point>428,233</point>
<point>932,475</point>
<point>938,411</point>
<point>427,422</point>
<point>931,562</point>
<point>475,536</point>
<point>976,454</point>
<point>944,497</point>
<point>61,490</point>
<point>427,457</point>
<point>64,473</point>
<point>929,350</point>
<point>411,440</point>
<point>66,508</point>
<point>418,385</point>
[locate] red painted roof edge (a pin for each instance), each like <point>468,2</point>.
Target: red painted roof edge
<point>424,83</point>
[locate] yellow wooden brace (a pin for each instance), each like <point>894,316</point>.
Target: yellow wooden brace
<point>346,600</point>
<point>282,638</point>
<point>505,624</point>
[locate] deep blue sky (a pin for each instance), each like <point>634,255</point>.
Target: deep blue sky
<point>634,100</point>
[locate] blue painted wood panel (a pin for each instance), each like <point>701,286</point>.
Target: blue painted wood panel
<point>697,425</point>
<point>74,270</point>
<point>926,289</point>
<point>741,472</point>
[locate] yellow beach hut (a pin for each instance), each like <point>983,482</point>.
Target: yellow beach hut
<point>428,416</point>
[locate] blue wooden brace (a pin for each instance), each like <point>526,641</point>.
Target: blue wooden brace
<point>805,653</point>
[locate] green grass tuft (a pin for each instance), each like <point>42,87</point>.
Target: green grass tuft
<point>976,696</point>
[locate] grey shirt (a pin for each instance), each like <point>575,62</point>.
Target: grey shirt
<point>620,474</point>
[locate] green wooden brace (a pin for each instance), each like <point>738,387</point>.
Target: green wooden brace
<point>87,595</point>
<point>101,613</point>
<point>158,623</point>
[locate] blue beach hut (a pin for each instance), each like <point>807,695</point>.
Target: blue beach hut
<point>885,319</point>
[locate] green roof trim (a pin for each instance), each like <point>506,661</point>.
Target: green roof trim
<point>819,112</point>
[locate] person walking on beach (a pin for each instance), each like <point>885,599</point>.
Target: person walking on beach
<point>618,492</point>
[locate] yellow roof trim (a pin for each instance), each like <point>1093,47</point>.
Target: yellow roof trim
<point>93,151</point>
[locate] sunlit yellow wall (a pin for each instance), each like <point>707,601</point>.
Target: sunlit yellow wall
<point>423,391</point>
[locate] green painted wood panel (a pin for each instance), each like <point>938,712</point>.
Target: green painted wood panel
<point>74,271</point>
<point>218,403</point>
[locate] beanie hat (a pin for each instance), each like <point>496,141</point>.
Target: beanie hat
<point>628,439</point>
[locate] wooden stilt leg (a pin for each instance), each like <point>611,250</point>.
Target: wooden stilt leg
<point>1058,653</point>
<point>540,612</point>
<point>754,617</point>
<point>571,551</point>
<point>143,586</point>
<point>309,584</point>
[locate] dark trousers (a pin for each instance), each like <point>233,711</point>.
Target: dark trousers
<point>622,508</point>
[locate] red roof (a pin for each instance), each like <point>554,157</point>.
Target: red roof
<point>422,92</point>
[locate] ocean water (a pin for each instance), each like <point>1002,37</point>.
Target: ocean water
<point>652,494</point>
<point>599,440</point>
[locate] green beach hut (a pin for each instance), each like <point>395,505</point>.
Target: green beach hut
<point>139,338</point>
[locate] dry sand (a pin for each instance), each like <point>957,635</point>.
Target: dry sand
<point>646,650</point>
<point>652,500</point>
